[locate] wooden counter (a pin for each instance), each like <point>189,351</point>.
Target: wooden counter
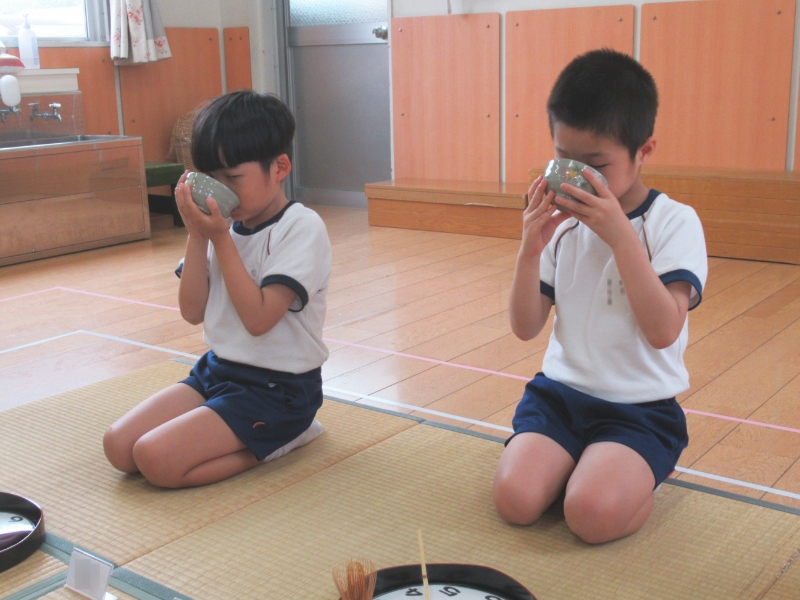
<point>69,197</point>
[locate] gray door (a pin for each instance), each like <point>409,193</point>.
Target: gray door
<point>338,84</point>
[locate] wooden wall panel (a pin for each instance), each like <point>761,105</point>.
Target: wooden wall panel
<point>95,81</point>
<point>723,71</point>
<point>539,44</point>
<point>446,97</point>
<point>155,95</point>
<point>237,58</point>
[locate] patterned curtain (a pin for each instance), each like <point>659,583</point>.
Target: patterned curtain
<point>137,35</point>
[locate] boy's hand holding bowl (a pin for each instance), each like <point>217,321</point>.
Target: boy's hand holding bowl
<point>196,198</point>
<point>203,186</point>
<point>202,218</point>
<point>565,170</point>
<point>590,200</point>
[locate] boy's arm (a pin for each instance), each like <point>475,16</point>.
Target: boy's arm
<point>259,308</point>
<point>528,307</point>
<point>193,288</point>
<point>660,310</point>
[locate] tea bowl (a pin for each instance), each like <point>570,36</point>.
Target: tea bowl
<point>203,186</point>
<point>565,170</point>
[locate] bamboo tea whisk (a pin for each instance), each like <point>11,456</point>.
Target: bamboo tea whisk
<point>356,579</point>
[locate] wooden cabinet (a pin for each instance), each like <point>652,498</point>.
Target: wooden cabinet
<point>70,197</point>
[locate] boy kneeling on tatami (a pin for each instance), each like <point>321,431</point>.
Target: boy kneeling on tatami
<point>259,287</point>
<point>623,267</point>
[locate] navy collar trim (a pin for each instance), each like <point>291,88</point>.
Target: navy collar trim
<point>238,226</point>
<point>644,206</point>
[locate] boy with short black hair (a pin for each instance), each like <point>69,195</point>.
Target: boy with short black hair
<point>622,267</point>
<point>259,286</point>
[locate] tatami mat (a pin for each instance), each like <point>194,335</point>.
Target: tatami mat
<point>364,487</point>
<point>787,580</point>
<point>51,452</point>
<point>34,570</point>
<point>67,594</point>
<point>695,545</point>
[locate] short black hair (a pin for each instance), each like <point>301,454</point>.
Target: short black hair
<point>608,93</point>
<point>243,126</point>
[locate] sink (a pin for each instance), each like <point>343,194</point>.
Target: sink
<point>60,139</point>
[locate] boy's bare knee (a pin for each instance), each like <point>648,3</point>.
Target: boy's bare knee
<point>152,462</point>
<point>592,516</point>
<point>118,450</point>
<point>514,503</point>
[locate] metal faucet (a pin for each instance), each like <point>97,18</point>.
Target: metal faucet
<point>35,114</point>
<point>4,112</point>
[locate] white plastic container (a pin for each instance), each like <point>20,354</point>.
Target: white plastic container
<point>28,47</point>
<point>9,90</point>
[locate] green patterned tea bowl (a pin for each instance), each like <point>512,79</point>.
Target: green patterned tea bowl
<point>203,186</point>
<point>565,170</point>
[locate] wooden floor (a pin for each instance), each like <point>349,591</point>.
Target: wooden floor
<point>420,319</point>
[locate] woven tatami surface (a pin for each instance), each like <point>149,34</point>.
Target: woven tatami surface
<point>364,487</point>
<point>695,545</point>
<point>37,568</point>
<point>51,452</point>
<point>787,580</point>
<point>67,594</point>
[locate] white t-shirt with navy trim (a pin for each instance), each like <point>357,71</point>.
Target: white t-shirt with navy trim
<point>596,346</point>
<point>291,249</point>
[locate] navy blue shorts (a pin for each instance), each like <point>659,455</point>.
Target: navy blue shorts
<point>266,409</point>
<point>655,430</point>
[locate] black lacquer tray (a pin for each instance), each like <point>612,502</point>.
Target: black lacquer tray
<point>17,546</point>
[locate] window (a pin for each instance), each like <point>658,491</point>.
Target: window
<point>336,12</point>
<point>55,19</point>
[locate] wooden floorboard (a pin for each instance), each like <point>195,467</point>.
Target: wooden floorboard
<point>432,295</point>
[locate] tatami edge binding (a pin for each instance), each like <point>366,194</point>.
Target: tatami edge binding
<point>732,496</point>
<point>678,482</point>
<point>61,549</point>
<point>385,411</point>
<point>122,579</point>
<point>141,587</point>
<point>457,429</point>
<point>420,420</point>
<point>38,590</point>
<point>184,361</point>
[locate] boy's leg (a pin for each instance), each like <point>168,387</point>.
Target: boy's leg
<point>159,408</point>
<point>195,448</point>
<point>610,493</point>
<point>531,474</point>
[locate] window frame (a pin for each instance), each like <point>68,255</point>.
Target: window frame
<point>97,29</point>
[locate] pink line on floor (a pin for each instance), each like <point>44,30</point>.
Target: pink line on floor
<point>430,360</point>
<point>405,355</point>
<point>28,294</point>
<point>65,289</point>
<point>746,421</point>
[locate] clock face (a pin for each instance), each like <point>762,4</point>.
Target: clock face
<point>440,592</point>
<point>13,529</point>
<point>448,581</point>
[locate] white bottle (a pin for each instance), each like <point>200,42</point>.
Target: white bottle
<point>28,48</point>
